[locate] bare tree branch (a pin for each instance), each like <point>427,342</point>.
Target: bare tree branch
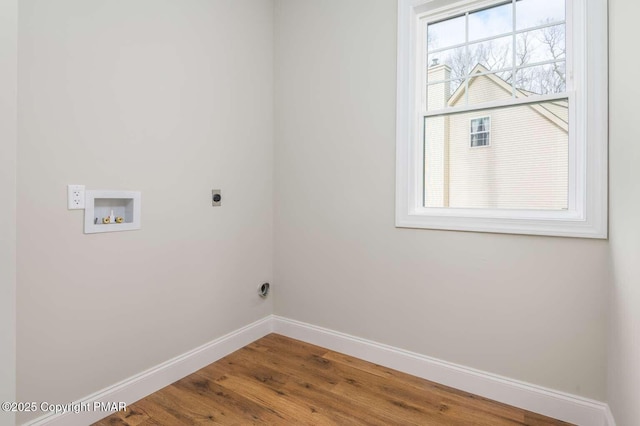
<point>533,46</point>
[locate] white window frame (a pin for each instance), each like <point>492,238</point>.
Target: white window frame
<point>587,80</point>
<point>488,132</point>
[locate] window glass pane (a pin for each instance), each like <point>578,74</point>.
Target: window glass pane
<point>494,54</point>
<point>444,95</point>
<point>475,124</point>
<point>480,125</point>
<point>542,79</point>
<point>531,13</point>
<point>446,33</point>
<point>524,165</point>
<point>479,140</point>
<point>491,22</point>
<point>489,88</point>
<point>545,44</point>
<point>456,60</point>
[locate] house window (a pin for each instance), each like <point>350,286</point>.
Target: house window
<point>523,62</point>
<point>480,131</point>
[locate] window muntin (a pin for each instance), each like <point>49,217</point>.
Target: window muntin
<point>454,28</point>
<point>523,42</point>
<point>480,131</point>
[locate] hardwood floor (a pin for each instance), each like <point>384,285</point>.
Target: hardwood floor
<point>280,381</point>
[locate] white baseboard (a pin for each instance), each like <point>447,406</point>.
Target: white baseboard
<point>559,405</point>
<point>154,379</point>
<point>610,421</point>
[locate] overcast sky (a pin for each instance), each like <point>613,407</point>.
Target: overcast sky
<point>495,21</point>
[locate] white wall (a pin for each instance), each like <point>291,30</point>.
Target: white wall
<point>172,98</point>
<point>530,308</point>
<point>624,342</point>
<point>8,139</point>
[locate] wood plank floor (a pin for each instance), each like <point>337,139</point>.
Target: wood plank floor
<point>280,381</point>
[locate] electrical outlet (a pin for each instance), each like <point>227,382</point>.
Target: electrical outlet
<point>75,197</point>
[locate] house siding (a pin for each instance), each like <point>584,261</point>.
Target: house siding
<point>524,167</point>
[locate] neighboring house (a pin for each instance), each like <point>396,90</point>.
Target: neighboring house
<point>481,159</point>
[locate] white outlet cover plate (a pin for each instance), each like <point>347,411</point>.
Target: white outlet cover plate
<point>75,197</point>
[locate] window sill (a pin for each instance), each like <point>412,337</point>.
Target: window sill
<point>526,222</point>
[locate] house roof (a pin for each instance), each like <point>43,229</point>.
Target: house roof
<point>554,111</point>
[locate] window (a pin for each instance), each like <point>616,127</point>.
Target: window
<point>523,65</point>
<point>480,131</point>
